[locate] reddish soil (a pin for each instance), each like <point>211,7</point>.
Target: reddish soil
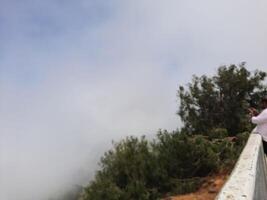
<point>207,191</point>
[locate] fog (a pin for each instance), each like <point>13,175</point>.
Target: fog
<point>75,75</point>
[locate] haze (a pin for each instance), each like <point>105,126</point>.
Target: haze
<point>76,74</point>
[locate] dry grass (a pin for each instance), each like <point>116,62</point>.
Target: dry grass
<point>207,191</point>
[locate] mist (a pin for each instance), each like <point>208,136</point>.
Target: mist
<point>75,75</point>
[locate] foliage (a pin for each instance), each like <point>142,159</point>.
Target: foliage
<point>129,171</point>
<point>173,163</point>
<point>212,109</point>
<point>189,156</point>
<point>221,101</point>
<point>183,160</point>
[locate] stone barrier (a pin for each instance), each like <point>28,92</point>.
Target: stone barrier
<point>248,178</point>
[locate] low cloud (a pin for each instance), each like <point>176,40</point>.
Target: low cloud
<point>69,87</point>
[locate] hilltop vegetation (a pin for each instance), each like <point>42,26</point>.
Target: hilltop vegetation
<point>174,163</point>
<point>221,101</point>
<point>216,126</point>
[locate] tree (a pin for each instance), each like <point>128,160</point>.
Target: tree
<point>211,108</point>
<point>129,171</point>
<point>220,101</point>
<point>185,157</point>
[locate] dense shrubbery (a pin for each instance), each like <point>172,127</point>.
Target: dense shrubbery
<point>212,109</point>
<point>173,163</point>
<point>221,101</point>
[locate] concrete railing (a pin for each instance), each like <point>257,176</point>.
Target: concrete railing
<point>248,179</point>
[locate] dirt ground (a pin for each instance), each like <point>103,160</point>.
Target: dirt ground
<point>207,191</point>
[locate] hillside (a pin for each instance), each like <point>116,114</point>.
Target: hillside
<point>208,190</point>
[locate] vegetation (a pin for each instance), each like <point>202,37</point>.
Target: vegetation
<point>174,163</point>
<point>221,101</point>
<point>212,109</point>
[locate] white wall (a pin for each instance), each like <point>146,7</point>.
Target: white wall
<point>248,179</point>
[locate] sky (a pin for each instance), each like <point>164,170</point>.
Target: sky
<point>75,75</point>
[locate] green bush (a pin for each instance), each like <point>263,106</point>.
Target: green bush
<point>130,170</point>
<point>221,100</point>
<point>217,133</point>
<point>173,163</point>
<point>183,156</point>
<point>212,109</point>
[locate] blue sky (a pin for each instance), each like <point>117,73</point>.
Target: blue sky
<point>76,74</point>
